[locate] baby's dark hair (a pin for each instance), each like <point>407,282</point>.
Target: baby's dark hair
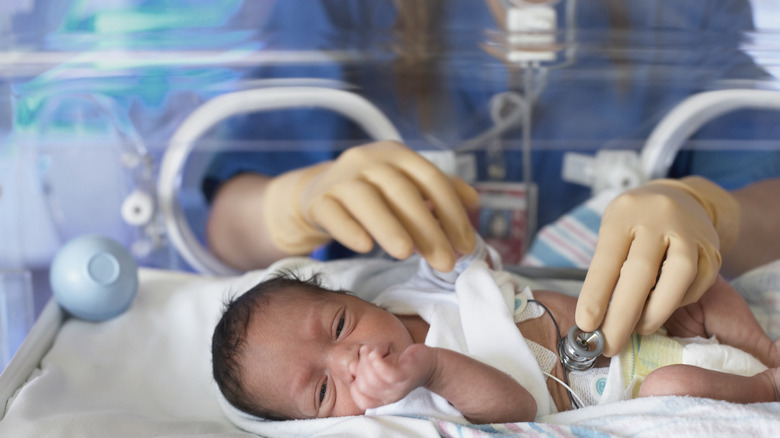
<point>229,340</point>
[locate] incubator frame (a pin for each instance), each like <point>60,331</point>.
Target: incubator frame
<point>360,110</point>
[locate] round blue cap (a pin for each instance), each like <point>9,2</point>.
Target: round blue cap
<point>94,277</point>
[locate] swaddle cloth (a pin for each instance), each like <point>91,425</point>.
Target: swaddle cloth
<point>481,326</point>
<point>477,320</point>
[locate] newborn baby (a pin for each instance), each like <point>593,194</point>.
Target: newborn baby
<point>290,349</point>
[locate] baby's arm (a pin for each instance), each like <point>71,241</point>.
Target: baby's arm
<point>482,393</point>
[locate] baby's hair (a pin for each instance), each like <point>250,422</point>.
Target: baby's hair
<point>229,340</point>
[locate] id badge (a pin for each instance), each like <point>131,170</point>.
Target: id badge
<point>506,219</point>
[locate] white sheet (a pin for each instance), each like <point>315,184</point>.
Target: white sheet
<point>147,373</point>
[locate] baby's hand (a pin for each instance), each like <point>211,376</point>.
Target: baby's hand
<point>379,381</point>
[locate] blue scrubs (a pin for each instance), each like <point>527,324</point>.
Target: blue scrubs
<point>606,98</point>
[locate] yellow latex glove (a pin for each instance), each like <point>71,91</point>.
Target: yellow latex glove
<point>659,248</point>
<point>382,191</point>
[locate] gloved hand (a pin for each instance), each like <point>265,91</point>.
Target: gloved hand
<point>659,247</point>
<point>382,191</point>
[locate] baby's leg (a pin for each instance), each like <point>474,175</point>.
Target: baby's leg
<point>722,312</point>
<point>700,382</point>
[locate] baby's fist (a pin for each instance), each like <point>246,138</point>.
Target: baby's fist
<point>380,381</point>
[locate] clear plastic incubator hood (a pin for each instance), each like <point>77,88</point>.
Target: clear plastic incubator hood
<point>115,115</point>
<point>120,120</point>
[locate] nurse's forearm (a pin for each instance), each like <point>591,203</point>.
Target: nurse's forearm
<point>236,231</point>
<point>759,236</point>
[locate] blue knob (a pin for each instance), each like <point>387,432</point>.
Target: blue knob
<point>94,277</point>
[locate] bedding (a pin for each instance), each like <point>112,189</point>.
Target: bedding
<point>148,373</point>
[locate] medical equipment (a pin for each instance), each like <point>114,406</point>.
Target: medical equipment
<point>689,116</point>
<point>149,371</point>
<point>625,169</point>
<point>527,41</point>
<point>220,108</point>
<point>578,350</point>
<point>94,277</point>
<point>573,354</point>
<point>42,172</point>
<point>45,391</point>
<point>16,311</point>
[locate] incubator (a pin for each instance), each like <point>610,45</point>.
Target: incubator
<point>113,114</point>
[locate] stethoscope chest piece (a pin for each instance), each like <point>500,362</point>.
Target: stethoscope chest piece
<point>579,350</point>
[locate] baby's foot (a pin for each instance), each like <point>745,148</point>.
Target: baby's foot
<point>774,353</point>
<point>773,375</point>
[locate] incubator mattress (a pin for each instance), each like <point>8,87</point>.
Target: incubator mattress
<point>147,373</point>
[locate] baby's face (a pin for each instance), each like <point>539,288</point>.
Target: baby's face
<point>302,350</point>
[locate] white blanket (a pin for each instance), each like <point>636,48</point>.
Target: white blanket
<point>148,373</point>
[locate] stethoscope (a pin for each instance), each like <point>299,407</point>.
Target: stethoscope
<point>578,350</point>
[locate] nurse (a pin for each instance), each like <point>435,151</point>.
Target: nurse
<point>660,246</point>
<point>286,204</point>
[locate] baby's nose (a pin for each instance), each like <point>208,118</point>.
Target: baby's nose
<point>353,369</point>
<point>346,361</point>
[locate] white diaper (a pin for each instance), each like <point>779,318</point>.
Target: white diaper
<point>643,354</point>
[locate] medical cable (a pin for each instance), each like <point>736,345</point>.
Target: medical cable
<point>579,403</point>
<point>566,385</point>
<point>506,112</point>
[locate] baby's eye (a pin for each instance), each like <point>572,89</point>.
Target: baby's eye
<point>323,390</point>
<point>340,327</point>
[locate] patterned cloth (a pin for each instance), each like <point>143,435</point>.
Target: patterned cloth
<point>570,241</point>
